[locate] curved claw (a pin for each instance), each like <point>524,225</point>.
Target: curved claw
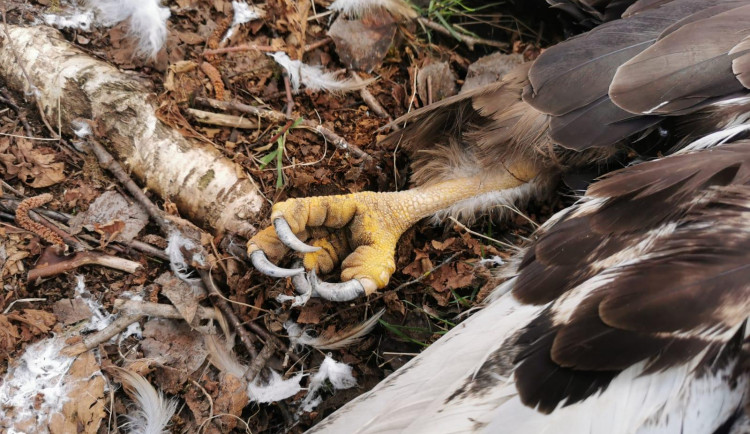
<point>344,291</point>
<point>290,240</point>
<point>262,264</point>
<point>301,283</point>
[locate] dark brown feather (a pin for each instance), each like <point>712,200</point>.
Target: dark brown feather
<point>586,343</point>
<point>678,294</point>
<point>701,272</point>
<point>544,384</point>
<point>654,176</point>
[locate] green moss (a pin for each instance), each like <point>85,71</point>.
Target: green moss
<point>206,179</point>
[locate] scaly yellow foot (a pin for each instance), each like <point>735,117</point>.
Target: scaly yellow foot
<point>360,230</point>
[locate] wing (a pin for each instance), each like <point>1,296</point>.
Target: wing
<point>665,58</point>
<point>610,325</point>
<point>687,66</point>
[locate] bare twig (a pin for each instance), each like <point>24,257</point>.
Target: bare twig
<point>221,119</point>
<point>281,132</point>
<point>240,48</point>
<point>84,258</point>
<point>426,273</point>
<point>11,204</point>
<point>289,97</point>
<point>8,99</point>
<point>317,44</point>
<point>62,218</point>
<point>470,41</point>
<point>147,249</point>
<point>259,362</point>
<point>108,162</point>
<point>159,310</point>
<point>276,116</point>
<point>221,302</point>
<point>464,227</point>
<point>93,340</point>
<point>21,300</point>
<point>370,100</point>
<point>217,298</point>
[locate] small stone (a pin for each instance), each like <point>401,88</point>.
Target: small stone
<point>363,43</point>
<point>437,79</point>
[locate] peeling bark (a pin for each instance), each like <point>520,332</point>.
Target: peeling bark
<point>206,186</point>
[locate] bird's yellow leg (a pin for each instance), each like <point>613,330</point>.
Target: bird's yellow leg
<point>369,224</point>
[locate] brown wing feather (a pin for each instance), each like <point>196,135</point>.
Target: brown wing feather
<point>643,5</point>
<point>741,62</point>
<point>579,71</point>
<point>679,293</point>
<point>685,68</point>
<point>598,124</point>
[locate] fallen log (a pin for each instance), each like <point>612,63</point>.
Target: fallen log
<point>69,84</point>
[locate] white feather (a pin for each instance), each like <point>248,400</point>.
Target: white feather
<point>262,390</point>
<point>274,388</point>
<point>401,398</point>
<point>243,13</point>
<point>314,77</point>
<point>222,357</point>
<point>147,25</point>
<point>500,202</point>
<point>152,411</point>
<point>337,373</point>
<point>35,388</point>
<point>81,128</point>
<point>715,139</point>
<point>176,243</point>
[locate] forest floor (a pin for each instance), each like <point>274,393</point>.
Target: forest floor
<point>440,272</point>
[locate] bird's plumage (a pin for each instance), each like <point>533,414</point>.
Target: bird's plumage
<point>628,312</point>
<point>607,326</point>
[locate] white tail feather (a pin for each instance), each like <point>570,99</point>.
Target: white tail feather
<point>152,411</point>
